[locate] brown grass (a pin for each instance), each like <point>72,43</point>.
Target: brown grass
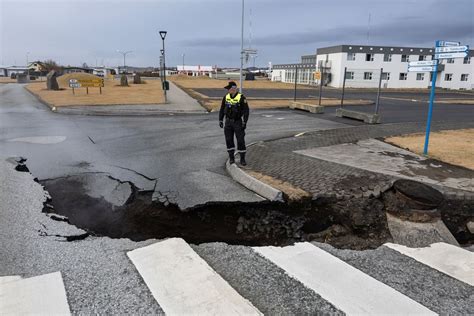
<point>293,193</point>
<point>7,80</point>
<point>455,147</point>
<point>112,93</point>
<point>206,82</point>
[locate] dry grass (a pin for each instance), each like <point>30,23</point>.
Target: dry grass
<point>292,193</point>
<point>455,147</point>
<point>7,80</point>
<point>203,82</point>
<point>112,93</point>
<point>214,105</point>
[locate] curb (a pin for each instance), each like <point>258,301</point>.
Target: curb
<point>253,184</point>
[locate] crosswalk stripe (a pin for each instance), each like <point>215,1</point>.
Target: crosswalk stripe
<point>9,278</point>
<point>40,295</point>
<point>346,287</point>
<point>448,259</point>
<point>183,283</point>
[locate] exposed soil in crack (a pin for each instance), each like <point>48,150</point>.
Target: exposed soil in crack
<point>358,222</point>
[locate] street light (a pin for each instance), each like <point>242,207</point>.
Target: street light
<point>242,48</point>
<point>183,62</point>
<point>124,54</point>
<point>163,35</point>
<point>27,68</point>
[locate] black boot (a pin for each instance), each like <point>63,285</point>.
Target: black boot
<point>242,159</point>
<point>231,156</point>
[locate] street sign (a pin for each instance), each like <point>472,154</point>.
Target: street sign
<point>452,49</point>
<point>86,83</point>
<point>422,63</point>
<point>421,69</point>
<point>450,55</point>
<point>447,43</point>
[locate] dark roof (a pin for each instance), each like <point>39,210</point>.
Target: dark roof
<point>373,49</point>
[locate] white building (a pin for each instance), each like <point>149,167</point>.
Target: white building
<point>195,70</point>
<point>364,66</point>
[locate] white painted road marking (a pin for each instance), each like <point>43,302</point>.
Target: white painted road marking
<point>44,140</point>
<point>346,287</point>
<point>183,283</point>
<point>448,259</point>
<point>41,295</point>
<point>9,278</point>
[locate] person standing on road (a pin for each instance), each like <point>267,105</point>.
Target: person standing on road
<point>235,109</point>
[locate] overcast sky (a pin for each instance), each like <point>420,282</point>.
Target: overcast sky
<point>208,31</point>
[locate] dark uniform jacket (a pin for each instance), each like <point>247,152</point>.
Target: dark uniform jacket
<point>234,111</point>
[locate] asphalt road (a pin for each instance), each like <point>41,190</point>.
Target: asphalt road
<point>169,153</point>
<point>395,107</point>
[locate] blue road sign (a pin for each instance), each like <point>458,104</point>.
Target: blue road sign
<point>447,43</point>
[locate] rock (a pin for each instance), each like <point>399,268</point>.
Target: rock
<point>124,81</point>
<point>470,227</point>
<point>137,79</point>
<point>51,80</point>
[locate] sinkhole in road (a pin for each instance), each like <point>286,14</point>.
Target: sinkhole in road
<point>126,212</point>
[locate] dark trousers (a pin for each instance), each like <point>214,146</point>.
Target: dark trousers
<point>234,127</point>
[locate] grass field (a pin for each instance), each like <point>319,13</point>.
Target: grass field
<point>112,94</point>
<point>455,147</point>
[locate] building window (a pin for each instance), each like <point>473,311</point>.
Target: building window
<point>369,57</point>
<point>385,76</point>
<point>387,57</point>
<point>464,77</point>
<point>367,76</point>
<point>403,76</point>
<point>405,58</point>
<point>466,60</point>
<point>351,56</point>
<point>450,61</point>
<point>448,77</point>
<point>431,76</point>
<point>421,57</point>
<point>349,75</point>
<point>420,76</point>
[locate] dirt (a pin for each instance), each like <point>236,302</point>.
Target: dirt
<point>112,94</point>
<point>455,147</point>
<point>206,82</point>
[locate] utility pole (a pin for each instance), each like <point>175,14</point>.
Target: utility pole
<point>242,48</point>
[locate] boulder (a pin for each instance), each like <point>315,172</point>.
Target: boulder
<point>137,79</point>
<point>51,80</point>
<point>124,81</point>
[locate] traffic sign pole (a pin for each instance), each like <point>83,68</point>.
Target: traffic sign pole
<point>430,110</point>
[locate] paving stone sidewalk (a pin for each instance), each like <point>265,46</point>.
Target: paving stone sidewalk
<point>323,178</point>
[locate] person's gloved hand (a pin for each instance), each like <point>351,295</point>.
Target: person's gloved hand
<point>244,125</point>
<point>221,124</point>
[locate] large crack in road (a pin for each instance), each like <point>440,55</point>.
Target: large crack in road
<point>105,206</point>
<point>102,205</point>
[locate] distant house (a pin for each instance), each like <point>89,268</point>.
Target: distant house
<point>3,71</point>
<point>37,66</point>
<point>195,70</point>
<point>68,70</point>
<point>16,70</point>
<point>103,71</point>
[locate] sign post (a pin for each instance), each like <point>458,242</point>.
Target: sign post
<point>443,50</point>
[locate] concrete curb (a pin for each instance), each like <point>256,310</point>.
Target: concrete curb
<point>253,184</point>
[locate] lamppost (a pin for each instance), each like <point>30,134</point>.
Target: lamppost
<point>242,48</point>
<point>27,67</point>
<point>124,54</point>
<point>183,61</point>
<point>163,35</point>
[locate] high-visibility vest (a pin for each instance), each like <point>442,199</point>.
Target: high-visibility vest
<point>232,106</point>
